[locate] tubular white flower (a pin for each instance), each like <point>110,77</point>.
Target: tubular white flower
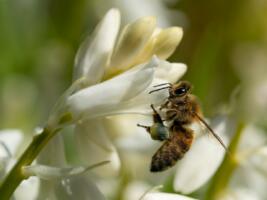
<point>101,59</point>
<point>203,159</point>
<point>114,79</point>
<point>61,183</point>
<point>103,87</point>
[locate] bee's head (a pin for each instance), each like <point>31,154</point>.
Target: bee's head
<point>180,89</point>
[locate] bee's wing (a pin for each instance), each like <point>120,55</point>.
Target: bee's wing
<point>213,133</point>
<point>172,149</point>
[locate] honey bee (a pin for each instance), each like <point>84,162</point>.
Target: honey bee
<point>181,109</point>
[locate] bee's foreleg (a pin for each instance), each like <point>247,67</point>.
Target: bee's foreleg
<point>165,105</point>
<point>171,114</point>
<point>156,116</point>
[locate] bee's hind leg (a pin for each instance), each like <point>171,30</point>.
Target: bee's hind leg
<point>145,127</point>
<point>156,116</point>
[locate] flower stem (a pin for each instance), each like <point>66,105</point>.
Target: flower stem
<point>228,166</point>
<point>15,176</point>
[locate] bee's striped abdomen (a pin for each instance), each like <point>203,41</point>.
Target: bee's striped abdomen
<point>173,149</point>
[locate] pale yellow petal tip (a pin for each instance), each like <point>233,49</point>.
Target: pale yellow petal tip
<point>114,12</point>
<point>176,32</point>
<point>167,41</point>
<point>182,68</point>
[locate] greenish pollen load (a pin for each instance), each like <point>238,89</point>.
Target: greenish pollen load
<point>159,132</point>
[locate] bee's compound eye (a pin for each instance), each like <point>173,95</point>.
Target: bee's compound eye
<point>180,91</point>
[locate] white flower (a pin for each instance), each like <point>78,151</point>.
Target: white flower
<point>249,178</point>
<point>62,182</point>
<point>58,180</point>
<point>102,60</point>
<point>109,78</point>
<point>113,75</point>
<point>10,142</point>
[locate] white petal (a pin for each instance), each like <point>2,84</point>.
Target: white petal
<point>92,101</point>
<point>49,173</point>
<point>78,188</point>
<point>203,159</point>
<point>171,72</point>
<point>165,196</point>
<point>258,160</point>
<point>167,41</point>
<point>28,189</point>
<point>253,137</point>
<point>94,53</point>
<point>53,153</point>
<point>135,139</point>
<point>94,146</point>
<point>10,140</point>
<point>253,156</point>
<point>247,177</point>
<point>134,190</point>
<point>131,41</point>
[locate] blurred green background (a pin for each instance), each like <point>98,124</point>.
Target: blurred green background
<point>39,39</point>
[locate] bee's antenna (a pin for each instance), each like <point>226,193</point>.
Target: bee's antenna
<point>162,84</point>
<point>159,89</point>
<point>213,133</point>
